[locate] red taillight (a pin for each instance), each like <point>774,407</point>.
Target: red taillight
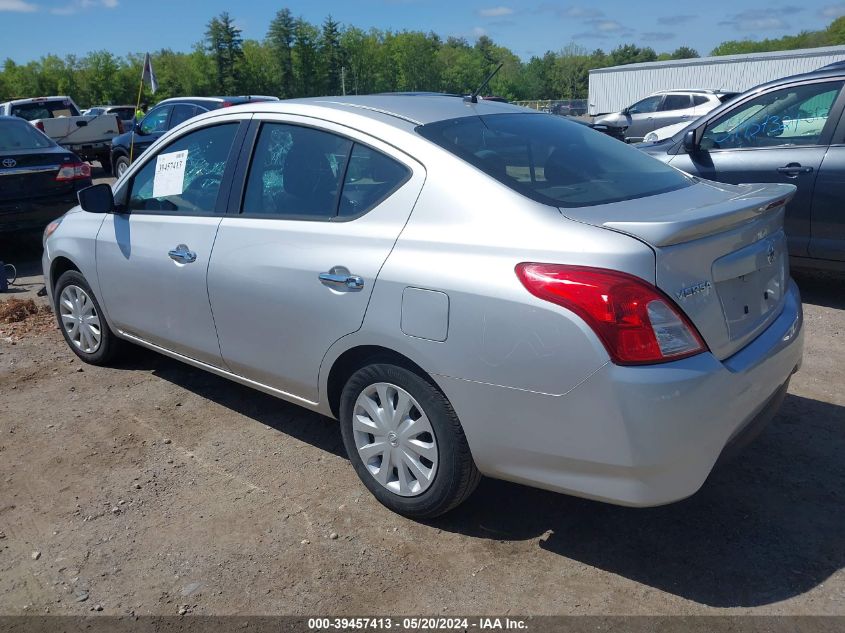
<point>40,125</point>
<point>74,171</point>
<point>635,321</point>
<point>227,104</point>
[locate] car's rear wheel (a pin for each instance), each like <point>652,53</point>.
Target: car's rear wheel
<point>121,164</point>
<point>406,442</point>
<point>81,320</point>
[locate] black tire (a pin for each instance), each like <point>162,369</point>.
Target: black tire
<point>110,346</point>
<point>456,476</point>
<point>121,162</point>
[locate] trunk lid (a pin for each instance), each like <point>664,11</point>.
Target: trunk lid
<point>720,253</point>
<point>30,174</point>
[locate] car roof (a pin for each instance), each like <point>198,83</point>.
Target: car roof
<point>418,109</point>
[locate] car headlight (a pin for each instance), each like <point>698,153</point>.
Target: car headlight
<point>50,229</point>
<point>651,137</point>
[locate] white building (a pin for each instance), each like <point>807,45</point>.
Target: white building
<point>614,88</point>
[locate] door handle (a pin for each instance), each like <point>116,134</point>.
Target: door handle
<point>347,282</point>
<point>793,169</point>
<point>182,255</point>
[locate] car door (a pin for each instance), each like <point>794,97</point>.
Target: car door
<point>151,128</point>
<point>641,116</point>
<point>673,109</point>
<point>292,272</point>
<point>781,136</point>
<point>152,257</point>
<point>827,239</point>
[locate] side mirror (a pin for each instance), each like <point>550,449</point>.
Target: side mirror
<point>689,142</point>
<point>96,199</point>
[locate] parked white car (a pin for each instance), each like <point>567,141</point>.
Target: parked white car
<point>89,137</point>
<point>665,132</point>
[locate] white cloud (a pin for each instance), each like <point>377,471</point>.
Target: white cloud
<point>495,12</point>
<point>833,11</point>
<point>75,6</point>
<point>17,6</point>
<point>478,31</point>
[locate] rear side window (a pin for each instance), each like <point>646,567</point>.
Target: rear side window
<point>181,113</point>
<point>554,161</point>
<point>699,100</point>
<point>296,172</point>
<point>675,102</point>
<point>370,178</point>
<point>19,135</point>
<point>194,166</point>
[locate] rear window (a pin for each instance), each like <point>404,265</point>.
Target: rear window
<point>15,135</point>
<point>554,161</point>
<point>44,110</point>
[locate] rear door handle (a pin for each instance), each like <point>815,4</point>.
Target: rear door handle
<point>343,281</point>
<point>793,169</point>
<point>182,255</point>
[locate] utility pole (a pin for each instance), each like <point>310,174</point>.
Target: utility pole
<point>343,79</point>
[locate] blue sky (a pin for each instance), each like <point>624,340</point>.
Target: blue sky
<point>31,28</point>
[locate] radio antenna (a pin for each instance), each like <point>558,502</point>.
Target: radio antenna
<point>473,98</point>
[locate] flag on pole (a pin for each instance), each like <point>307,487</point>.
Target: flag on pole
<point>148,74</point>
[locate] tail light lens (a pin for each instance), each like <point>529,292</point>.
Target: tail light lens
<point>227,104</point>
<point>40,125</point>
<point>635,321</point>
<point>74,171</point>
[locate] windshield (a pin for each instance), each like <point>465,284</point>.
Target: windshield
<point>554,161</point>
<point>17,135</point>
<point>44,110</point>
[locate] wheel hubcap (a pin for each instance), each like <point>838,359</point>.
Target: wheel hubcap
<point>80,319</point>
<point>121,169</point>
<point>395,439</point>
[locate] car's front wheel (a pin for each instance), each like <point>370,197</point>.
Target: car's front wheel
<point>406,442</point>
<point>121,164</point>
<point>82,322</point>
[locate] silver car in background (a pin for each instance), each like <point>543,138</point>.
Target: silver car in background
<point>663,108</point>
<point>469,288</point>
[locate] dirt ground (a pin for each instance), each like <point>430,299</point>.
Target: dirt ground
<point>152,487</point>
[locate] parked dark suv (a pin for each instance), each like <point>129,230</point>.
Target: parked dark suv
<point>164,116</point>
<point>787,131</point>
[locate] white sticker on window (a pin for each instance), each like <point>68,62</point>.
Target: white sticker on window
<point>170,174</point>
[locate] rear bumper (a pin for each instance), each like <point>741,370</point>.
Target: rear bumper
<point>30,215</point>
<point>638,436</point>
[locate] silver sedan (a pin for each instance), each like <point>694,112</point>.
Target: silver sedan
<point>469,288</point>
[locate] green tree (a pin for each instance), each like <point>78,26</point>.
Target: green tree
<point>332,57</point>
<point>684,52</point>
<point>225,45</point>
<point>280,37</point>
<point>306,67</point>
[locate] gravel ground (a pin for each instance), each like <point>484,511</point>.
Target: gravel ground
<point>154,488</point>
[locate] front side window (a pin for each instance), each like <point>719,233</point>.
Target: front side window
<point>186,175</point>
<point>649,104</point>
<point>554,161</point>
<point>789,116</point>
<point>675,102</point>
<point>156,120</point>
<point>296,172</point>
